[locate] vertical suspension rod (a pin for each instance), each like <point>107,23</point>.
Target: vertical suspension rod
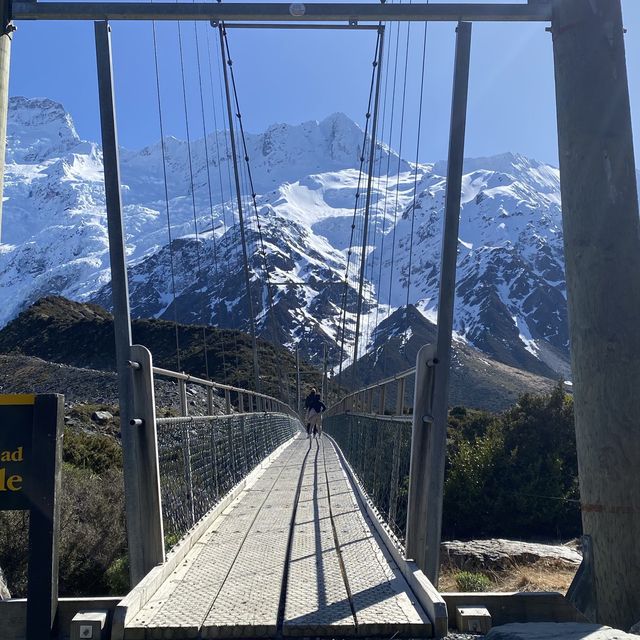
<point>236,174</point>
<point>367,205</point>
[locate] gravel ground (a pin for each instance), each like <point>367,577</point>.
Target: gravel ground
<point>464,636</point>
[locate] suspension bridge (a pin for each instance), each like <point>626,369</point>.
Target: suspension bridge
<point>339,536</point>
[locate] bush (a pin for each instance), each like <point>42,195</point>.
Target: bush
<point>92,451</point>
<point>467,581</point>
<point>117,576</point>
<point>514,474</point>
<point>92,530</point>
<point>92,523</point>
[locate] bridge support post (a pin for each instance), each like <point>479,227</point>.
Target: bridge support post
<point>6,30</point>
<point>602,256</point>
<point>131,446</point>
<point>151,545</point>
<point>429,443</point>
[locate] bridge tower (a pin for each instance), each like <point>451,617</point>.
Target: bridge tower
<point>602,255</point>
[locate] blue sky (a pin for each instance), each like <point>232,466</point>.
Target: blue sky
<point>293,76</point>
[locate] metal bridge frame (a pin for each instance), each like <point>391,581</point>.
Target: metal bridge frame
<point>602,255</point>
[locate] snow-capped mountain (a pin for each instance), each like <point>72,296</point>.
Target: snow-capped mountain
<point>510,291</point>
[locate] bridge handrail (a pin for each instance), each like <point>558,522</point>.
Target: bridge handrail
<point>265,403</point>
<point>362,400</point>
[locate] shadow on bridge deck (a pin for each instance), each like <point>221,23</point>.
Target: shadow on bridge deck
<point>292,555</point>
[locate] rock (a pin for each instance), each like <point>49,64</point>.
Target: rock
<point>556,631</point>
<point>501,554</point>
<point>101,417</point>
<point>5,594</point>
<point>635,630</point>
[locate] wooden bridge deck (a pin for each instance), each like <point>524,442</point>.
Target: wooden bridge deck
<point>292,555</point>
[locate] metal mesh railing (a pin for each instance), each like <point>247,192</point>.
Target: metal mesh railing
<point>202,458</point>
<point>378,448</point>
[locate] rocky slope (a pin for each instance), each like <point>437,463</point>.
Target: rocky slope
<point>81,336</point>
<point>56,330</point>
<point>476,380</point>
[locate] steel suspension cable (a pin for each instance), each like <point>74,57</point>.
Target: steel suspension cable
<point>355,212</point>
<point>378,189</point>
<point>166,196</point>
<point>415,174</point>
<point>225,62</point>
<point>395,208</point>
<point>209,189</point>
<point>367,207</point>
<point>191,180</point>
<point>231,231</point>
<point>262,249</point>
<point>388,168</point>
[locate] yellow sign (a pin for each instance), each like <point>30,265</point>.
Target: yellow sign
<point>16,433</point>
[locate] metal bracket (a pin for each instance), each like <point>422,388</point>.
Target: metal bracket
<point>581,593</point>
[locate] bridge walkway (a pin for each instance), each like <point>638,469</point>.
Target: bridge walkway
<point>292,555</point>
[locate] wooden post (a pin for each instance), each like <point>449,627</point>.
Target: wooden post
<point>151,545</point>
<point>44,519</point>
<point>6,31</point>
<point>240,402</point>
<point>227,401</point>
<point>602,263</point>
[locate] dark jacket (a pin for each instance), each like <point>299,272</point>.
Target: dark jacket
<point>317,405</point>
<point>308,401</point>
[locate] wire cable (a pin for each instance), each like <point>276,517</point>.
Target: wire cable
<point>166,197</point>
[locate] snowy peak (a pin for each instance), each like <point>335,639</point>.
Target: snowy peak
<point>506,168</point>
<point>37,129</point>
<point>510,290</point>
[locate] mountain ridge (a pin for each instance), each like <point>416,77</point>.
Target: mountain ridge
<point>510,300</point>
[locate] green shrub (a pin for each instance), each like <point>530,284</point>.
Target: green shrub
<point>513,474</point>
<point>92,535</point>
<point>467,581</point>
<point>92,451</point>
<point>117,577</point>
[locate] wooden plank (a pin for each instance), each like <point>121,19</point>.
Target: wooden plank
<point>248,603</point>
<point>317,601</point>
<point>381,598</point>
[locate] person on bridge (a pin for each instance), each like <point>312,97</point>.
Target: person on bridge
<point>308,401</point>
<point>315,415</point>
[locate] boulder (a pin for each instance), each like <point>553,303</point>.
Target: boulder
<point>101,417</point>
<point>556,631</point>
<point>498,554</point>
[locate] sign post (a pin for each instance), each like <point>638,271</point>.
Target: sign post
<point>31,428</point>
